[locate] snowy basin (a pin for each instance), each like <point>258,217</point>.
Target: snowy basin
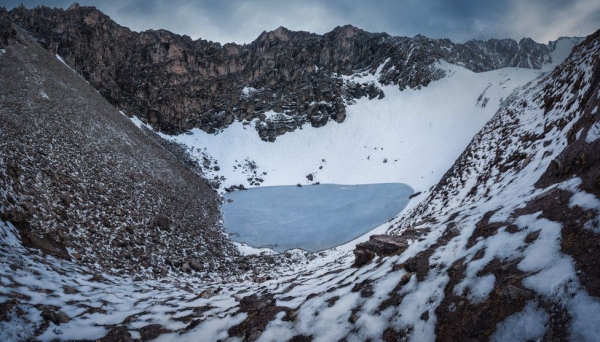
<point>312,218</point>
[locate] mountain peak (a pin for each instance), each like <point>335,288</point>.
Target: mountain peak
<point>346,31</point>
<point>281,33</point>
<point>74,6</point>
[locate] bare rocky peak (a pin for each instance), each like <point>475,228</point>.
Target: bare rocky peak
<point>175,84</point>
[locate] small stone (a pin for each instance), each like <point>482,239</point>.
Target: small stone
<point>196,265</point>
<point>206,294</point>
<point>57,317</point>
<point>162,222</point>
<point>69,289</point>
<point>406,278</point>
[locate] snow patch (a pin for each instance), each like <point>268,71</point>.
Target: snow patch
<point>248,91</point>
<point>585,200</point>
<point>65,63</point>
<point>527,325</point>
<point>9,235</point>
<point>585,324</point>
<point>561,51</point>
<point>139,122</point>
<point>594,133</point>
<point>15,328</point>
<point>244,249</point>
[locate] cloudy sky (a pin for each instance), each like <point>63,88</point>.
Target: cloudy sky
<point>242,21</point>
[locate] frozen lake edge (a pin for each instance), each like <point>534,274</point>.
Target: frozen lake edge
<point>312,218</point>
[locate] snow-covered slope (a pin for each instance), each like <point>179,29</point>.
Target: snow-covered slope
<point>504,225</point>
<point>410,136</point>
<point>560,50</point>
<point>176,84</point>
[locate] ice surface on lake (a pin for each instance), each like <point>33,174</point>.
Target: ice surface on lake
<point>314,217</point>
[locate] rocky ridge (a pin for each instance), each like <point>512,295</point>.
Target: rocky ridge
<point>279,82</point>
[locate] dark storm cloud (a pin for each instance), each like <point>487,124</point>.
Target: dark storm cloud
<point>459,20</point>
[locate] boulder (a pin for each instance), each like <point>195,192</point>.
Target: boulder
<point>196,265</point>
<point>162,222</point>
<point>381,245</point>
<point>55,316</point>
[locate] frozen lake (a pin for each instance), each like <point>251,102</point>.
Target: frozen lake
<point>312,218</point>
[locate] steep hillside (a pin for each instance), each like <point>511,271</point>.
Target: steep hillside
<point>176,84</point>
<point>510,234</point>
<point>81,181</point>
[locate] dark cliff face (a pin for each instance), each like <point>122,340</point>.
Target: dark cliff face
<point>175,83</point>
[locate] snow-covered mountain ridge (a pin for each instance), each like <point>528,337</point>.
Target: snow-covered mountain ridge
<point>176,84</point>
<point>513,224</point>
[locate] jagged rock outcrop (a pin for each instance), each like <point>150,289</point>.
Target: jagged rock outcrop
<point>175,83</point>
<point>382,245</point>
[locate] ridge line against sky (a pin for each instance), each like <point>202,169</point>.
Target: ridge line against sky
<point>226,21</point>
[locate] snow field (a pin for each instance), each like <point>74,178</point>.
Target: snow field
<point>440,119</point>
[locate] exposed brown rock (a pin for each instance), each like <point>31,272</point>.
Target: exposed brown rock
<point>5,309</point>
<point>579,159</point>
<point>459,319</point>
<point>69,289</point>
<point>261,310</point>
<point>152,331</point>
<point>118,334</point>
<point>46,244</point>
<point>381,245</point>
<point>162,222</point>
<point>55,316</point>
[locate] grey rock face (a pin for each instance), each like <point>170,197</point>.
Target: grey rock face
<point>175,83</point>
